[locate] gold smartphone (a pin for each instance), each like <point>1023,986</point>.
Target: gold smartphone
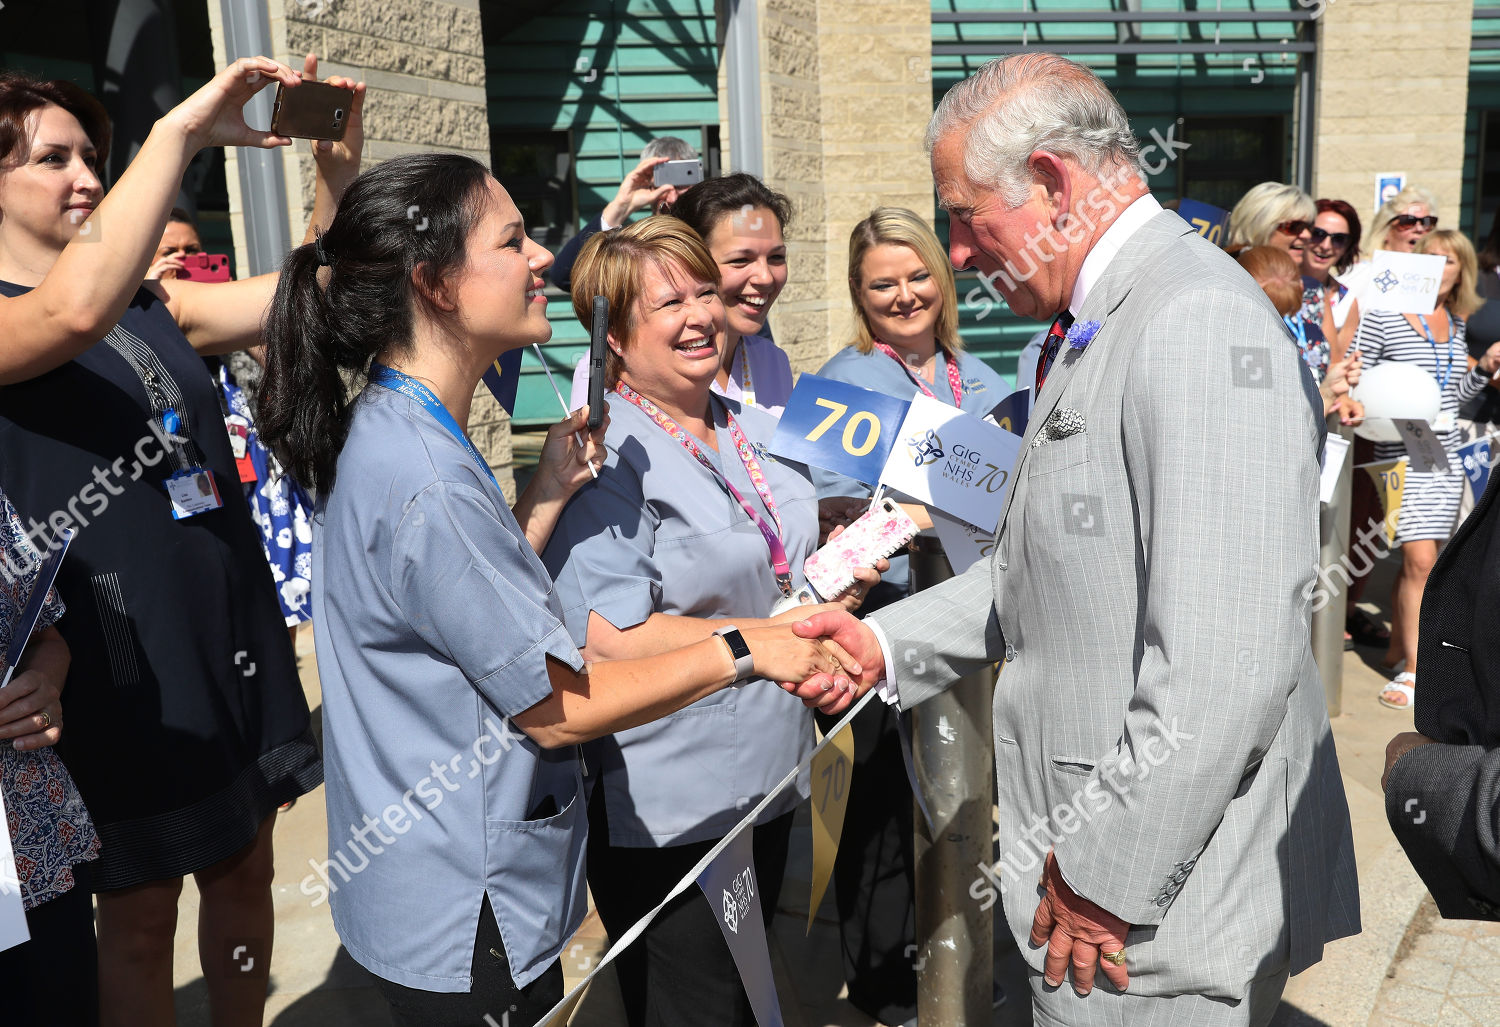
<point>312,110</point>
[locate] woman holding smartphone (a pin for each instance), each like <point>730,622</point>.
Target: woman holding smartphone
<point>453,697</point>
<point>186,719</point>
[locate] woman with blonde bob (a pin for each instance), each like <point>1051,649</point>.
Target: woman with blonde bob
<point>905,343</point>
<point>690,530</point>
<point>1429,499</point>
<point>1403,220</point>
<point>1271,214</point>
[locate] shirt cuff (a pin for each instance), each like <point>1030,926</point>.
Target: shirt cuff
<point>886,686</point>
<point>605,226</point>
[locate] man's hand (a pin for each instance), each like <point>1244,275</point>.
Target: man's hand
<point>853,638</point>
<point>1491,360</point>
<point>638,193</point>
<point>838,512</point>
<point>1075,931</point>
<point>1399,746</point>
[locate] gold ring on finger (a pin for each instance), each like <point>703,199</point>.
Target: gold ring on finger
<point>1113,958</point>
<point>46,720</point>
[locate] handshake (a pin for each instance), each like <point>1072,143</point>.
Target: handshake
<point>828,659</point>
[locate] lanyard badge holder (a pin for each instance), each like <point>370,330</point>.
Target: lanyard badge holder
<point>192,488</point>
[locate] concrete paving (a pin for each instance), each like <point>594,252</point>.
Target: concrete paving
<point>1407,967</point>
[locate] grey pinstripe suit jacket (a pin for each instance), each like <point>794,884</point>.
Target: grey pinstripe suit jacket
<point>1159,719</point>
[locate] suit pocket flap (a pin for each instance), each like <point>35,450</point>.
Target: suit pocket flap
<point>1055,456</point>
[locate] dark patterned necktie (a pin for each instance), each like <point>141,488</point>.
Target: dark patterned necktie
<point>1050,346</point>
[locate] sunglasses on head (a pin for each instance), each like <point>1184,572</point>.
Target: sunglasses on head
<point>1293,227</point>
<point>1338,240</point>
<point>1410,220</point>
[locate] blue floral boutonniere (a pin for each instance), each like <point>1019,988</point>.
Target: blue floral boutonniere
<point>1081,334</point>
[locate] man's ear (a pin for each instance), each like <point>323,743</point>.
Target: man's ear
<point>434,289</point>
<point>1052,173</point>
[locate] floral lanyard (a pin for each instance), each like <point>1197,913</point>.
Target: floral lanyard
<point>955,381</point>
<point>779,562</point>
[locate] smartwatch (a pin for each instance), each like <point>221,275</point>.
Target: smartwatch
<point>739,649</point>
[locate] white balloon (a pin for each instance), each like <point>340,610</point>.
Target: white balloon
<point>1393,390</point>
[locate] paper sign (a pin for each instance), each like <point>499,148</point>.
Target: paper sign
<point>963,544</point>
<point>1210,221</point>
<point>831,771</point>
<point>502,378</point>
<point>952,460</point>
<point>561,1013</point>
<point>1390,482</point>
<point>1387,185</point>
<point>25,624</point>
<point>730,887</point>
<point>1406,283</point>
<point>1011,412</point>
<point>1423,446</point>
<point>838,427</point>
<point>12,913</point>
<point>1335,450</point>
<point>1477,465</point>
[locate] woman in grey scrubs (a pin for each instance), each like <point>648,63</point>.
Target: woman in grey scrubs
<point>691,525</point>
<point>453,698</point>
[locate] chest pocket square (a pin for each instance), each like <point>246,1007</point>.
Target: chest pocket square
<point>1063,422</point>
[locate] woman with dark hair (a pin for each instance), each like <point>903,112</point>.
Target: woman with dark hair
<point>186,719</point>
<point>742,222</point>
<point>1330,247</point>
<point>441,643</point>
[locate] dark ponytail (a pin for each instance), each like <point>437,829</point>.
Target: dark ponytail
<point>407,212</point>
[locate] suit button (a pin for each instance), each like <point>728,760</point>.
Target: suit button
<point>1010,652</point>
<point>1163,900</point>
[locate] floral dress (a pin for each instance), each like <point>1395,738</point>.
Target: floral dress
<point>50,829</point>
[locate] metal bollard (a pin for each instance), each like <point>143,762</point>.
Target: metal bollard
<point>952,750</point>
<point>1333,580</point>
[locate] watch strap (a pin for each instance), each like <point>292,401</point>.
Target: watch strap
<point>739,649</point>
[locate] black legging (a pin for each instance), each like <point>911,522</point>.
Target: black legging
<point>494,993</point>
<point>56,973</point>
<point>680,972</point>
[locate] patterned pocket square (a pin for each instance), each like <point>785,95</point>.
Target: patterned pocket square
<point>1064,421</point>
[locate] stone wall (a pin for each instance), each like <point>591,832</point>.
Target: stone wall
<point>846,89</point>
<point>1385,66</point>
<point>423,61</point>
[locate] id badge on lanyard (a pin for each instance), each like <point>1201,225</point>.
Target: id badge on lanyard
<point>192,490</point>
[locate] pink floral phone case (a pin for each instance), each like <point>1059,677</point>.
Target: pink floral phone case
<point>878,533</point>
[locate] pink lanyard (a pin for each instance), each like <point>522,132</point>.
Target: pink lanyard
<point>955,382</point>
<point>779,562</point>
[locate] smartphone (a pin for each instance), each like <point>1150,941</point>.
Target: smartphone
<point>681,173</point>
<point>205,267</point>
<point>598,341</point>
<point>312,110</point>
<point>878,533</point>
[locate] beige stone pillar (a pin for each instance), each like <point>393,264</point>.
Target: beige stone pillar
<point>423,61</point>
<point>1386,67</point>
<point>847,91</point>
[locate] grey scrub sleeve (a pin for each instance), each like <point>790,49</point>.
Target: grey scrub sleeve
<point>435,623</point>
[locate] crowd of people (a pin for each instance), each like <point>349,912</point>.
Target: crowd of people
<point>616,647</point>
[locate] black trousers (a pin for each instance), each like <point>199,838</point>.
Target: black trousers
<point>54,977</point>
<point>679,973</point>
<point>873,878</point>
<point>494,993</point>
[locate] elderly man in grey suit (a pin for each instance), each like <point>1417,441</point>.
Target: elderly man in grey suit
<point>1169,797</point>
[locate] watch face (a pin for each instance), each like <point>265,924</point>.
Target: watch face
<point>737,643</point>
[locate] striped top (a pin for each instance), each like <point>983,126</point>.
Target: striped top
<point>1386,336</point>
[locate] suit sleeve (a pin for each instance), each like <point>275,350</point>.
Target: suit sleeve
<point>1443,803</point>
<point>942,634</point>
<point>1221,453</point>
<point>561,271</point>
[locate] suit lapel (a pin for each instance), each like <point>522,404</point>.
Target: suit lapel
<point>1103,299</point>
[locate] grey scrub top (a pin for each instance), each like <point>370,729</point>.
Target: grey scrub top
<point>434,620</point>
<point>982,388</point>
<point>657,533</point>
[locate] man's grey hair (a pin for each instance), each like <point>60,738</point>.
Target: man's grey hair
<point>1015,105</point>
<point>670,147</point>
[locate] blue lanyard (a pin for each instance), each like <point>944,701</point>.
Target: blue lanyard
<point>1294,323</point>
<point>1442,385</point>
<point>396,381</point>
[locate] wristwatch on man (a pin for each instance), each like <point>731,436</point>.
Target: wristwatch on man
<point>739,649</point>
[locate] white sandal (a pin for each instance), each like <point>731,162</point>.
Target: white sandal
<point>1405,683</point>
